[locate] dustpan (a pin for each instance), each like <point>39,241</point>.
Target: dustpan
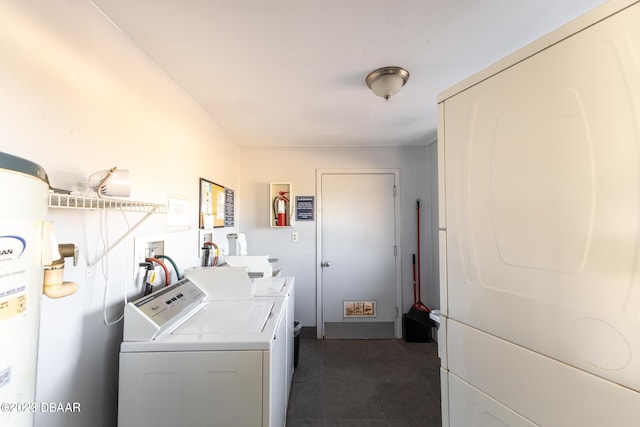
<point>416,323</point>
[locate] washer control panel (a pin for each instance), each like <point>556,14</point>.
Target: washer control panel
<point>147,317</point>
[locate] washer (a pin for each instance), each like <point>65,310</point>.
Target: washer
<point>282,287</point>
<point>187,359</point>
<point>234,282</point>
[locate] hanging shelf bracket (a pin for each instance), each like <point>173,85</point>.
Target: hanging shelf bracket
<point>70,201</point>
<point>117,242</point>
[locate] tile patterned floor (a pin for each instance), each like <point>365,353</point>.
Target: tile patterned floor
<point>365,383</point>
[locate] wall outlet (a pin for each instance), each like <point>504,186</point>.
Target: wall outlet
<point>294,236</point>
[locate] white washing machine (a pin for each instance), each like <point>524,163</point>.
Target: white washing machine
<point>258,265</point>
<point>282,287</point>
<point>190,360</point>
<point>233,283</point>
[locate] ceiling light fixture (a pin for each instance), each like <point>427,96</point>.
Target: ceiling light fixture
<point>387,81</point>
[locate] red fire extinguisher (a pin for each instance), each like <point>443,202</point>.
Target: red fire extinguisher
<point>280,205</point>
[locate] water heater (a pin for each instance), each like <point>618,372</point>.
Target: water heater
<point>23,193</point>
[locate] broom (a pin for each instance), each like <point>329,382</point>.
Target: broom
<point>418,311</point>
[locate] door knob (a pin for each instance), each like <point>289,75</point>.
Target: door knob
<point>325,264</point>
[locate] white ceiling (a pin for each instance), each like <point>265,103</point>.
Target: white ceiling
<point>291,72</point>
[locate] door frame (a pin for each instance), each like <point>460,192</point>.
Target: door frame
<point>397,232</point>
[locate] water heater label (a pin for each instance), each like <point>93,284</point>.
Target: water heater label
<point>11,248</point>
<point>12,307</point>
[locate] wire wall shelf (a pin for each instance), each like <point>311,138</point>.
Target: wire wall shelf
<point>71,201</point>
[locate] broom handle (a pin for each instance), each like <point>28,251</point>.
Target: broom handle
<point>415,297</point>
<point>418,279</point>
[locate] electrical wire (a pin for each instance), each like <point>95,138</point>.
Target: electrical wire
<point>147,288</point>
<point>148,266</point>
<point>105,269</point>
<point>102,184</point>
<point>175,267</point>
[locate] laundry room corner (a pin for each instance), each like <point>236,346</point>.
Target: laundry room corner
<point>259,167</point>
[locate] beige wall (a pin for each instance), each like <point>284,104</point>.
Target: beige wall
<point>77,97</point>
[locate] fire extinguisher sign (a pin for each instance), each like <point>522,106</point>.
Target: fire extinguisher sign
<point>304,208</point>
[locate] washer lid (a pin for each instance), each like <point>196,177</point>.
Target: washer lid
<point>228,318</point>
<point>221,326</point>
<point>18,164</point>
<point>269,286</point>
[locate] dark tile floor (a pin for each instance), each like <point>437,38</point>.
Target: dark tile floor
<point>365,383</point>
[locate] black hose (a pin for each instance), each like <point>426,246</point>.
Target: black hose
<point>275,209</point>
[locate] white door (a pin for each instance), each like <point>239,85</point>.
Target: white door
<point>359,286</point>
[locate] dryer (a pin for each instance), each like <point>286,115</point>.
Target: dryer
<point>190,360</point>
<point>540,229</point>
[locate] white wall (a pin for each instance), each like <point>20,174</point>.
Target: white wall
<point>259,166</point>
<point>77,97</point>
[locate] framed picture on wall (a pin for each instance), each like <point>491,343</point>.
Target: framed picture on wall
<point>212,204</point>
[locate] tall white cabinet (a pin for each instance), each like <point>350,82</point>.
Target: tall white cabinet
<point>539,162</point>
